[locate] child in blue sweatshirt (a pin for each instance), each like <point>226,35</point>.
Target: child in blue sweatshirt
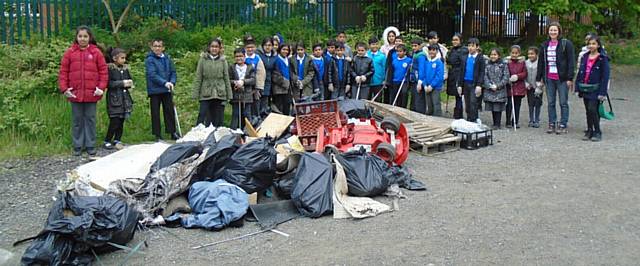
<point>379,68</point>
<point>431,79</point>
<point>397,75</point>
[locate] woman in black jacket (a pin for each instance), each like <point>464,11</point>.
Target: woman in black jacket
<point>556,68</point>
<point>119,102</point>
<point>457,54</point>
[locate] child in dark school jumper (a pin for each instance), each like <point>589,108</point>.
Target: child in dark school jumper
<point>341,74</point>
<point>119,101</point>
<point>322,65</point>
<point>471,79</point>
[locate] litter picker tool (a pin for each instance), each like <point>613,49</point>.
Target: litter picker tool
<point>609,115</point>
<point>513,109</point>
<point>239,114</point>
<point>272,229</point>
<point>231,239</point>
<point>175,113</point>
<point>358,92</point>
<point>378,94</point>
<point>446,105</point>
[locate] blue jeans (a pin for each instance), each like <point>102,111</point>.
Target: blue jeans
<point>562,90</point>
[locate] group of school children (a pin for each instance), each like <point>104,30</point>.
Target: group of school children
<point>272,77</point>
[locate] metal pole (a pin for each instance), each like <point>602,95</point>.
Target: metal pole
<point>398,93</point>
<point>513,109</point>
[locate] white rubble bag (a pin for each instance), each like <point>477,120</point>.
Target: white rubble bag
<point>465,126</point>
<point>133,162</point>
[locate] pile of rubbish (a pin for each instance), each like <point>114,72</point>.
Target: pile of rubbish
<point>213,178</point>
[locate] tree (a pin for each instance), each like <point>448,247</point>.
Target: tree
<point>614,17</point>
<point>115,27</point>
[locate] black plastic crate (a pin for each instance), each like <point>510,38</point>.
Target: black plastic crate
<point>476,140</point>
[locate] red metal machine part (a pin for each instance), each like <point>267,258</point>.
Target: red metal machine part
<point>390,141</point>
<point>310,116</point>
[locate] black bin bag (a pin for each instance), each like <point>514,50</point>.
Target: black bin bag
<point>253,166</point>
<point>77,225</point>
<point>367,174</point>
<point>219,152</point>
<point>176,153</point>
<point>286,173</point>
<point>284,185</point>
<point>313,189</point>
<point>355,108</point>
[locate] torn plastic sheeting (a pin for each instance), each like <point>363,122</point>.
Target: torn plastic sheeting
<point>152,196</point>
<point>213,165</point>
<point>253,166</point>
<point>271,214</point>
<point>205,135</point>
<point>367,174</point>
<point>352,207</point>
<point>132,162</point>
<point>313,187</point>
<point>77,225</point>
<point>214,205</point>
<point>405,179</point>
<point>176,153</point>
<point>197,133</point>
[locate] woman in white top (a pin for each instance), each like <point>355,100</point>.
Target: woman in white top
<point>389,37</point>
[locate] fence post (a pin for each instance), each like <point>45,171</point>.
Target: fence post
<point>11,24</point>
<point>19,20</point>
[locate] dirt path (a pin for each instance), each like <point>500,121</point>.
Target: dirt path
<point>530,199</point>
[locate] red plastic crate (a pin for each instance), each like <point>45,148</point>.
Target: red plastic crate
<point>310,116</point>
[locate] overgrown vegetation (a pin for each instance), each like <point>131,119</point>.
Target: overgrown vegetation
<point>35,120</point>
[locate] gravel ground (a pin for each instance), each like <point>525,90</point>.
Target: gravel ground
<point>530,199</point>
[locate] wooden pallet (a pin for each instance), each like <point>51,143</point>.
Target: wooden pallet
<point>432,139</point>
<point>427,134</point>
<point>447,143</point>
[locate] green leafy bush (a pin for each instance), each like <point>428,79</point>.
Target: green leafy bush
<point>624,52</point>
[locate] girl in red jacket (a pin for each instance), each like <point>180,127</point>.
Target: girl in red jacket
<point>518,72</point>
<point>83,78</point>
